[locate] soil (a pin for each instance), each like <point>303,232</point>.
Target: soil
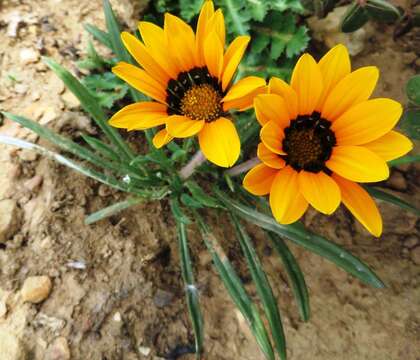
<point>117,291</point>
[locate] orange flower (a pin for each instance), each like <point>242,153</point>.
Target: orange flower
<point>321,136</point>
<point>188,75</point>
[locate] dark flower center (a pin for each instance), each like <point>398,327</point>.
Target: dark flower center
<point>195,94</point>
<point>308,143</point>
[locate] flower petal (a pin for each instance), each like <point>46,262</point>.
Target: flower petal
<point>243,87</point>
<point>139,52</point>
<point>320,190</point>
<point>390,146</point>
<point>269,158</point>
<point>280,87</point>
<point>219,142</point>
<point>232,58</point>
<point>217,24</point>
<point>154,39</point>
<point>351,90</point>
<point>181,126</point>
<point>361,205</point>
<point>161,138</point>
<point>140,80</point>
<point>213,54</point>
<point>245,102</point>
<point>259,179</point>
<point>357,163</point>
<point>272,136</point>
<point>286,202</point>
<point>271,107</point>
<point>206,13</point>
<point>366,121</point>
<point>140,116</point>
<point>307,82</point>
<point>334,66</point>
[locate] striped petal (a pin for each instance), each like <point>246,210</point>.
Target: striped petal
<point>390,146</point>
<point>286,202</point>
<point>366,121</point>
<point>357,163</point>
<point>271,107</point>
<point>181,126</point>
<point>272,136</point>
<point>213,54</point>
<point>351,90</point>
<point>259,179</point>
<point>360,204</point>
<point>219,142</point>
<point>140,116</point>
<point>307,82</point>
<point>232,58</point>
<point>269,158</point>
<point>139,52</point>
<point>140,80</point>
<point>280,87</point>
<point>334,66</point>
<point>161,138</point>
<point>320,190</point>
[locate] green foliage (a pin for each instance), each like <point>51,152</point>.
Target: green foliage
<point>410,121</point>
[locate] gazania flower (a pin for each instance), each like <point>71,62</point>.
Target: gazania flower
<point>188,75</point>
<point>321,136</point>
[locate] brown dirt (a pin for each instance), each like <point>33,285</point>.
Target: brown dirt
<point>130,298</point>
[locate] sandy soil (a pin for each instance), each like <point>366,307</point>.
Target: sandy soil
<point>127,301</point>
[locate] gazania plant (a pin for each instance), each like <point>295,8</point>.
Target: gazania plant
<point>260,150</point>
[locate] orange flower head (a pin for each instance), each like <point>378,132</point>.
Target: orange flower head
<point>188,77</point>
<point>321,136</point>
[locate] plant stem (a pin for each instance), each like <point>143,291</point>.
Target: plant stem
<point>241,168</point>
<point>189,169</point>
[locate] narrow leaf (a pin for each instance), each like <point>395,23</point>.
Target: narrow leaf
<point>294,273</point>
<point>355,18</point>
<point>298,234</point>
<point>198,194</point>
<point>385,196</point>
<point>99,35</point>
<point>101,147</point>
<point>178,213</point>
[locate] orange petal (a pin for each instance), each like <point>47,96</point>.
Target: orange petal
<point>140,116</point>
<point>366,121</point>
<point>217,24</point>
<point>361,205</point>
<point>219,142</point>
<point>272,136</point>
<point>279,87</point>
<point>351,90</point>
<point>243,87</point>
<point>334,66</point>
<point>140,80</point>
<point>271,107</point>
<point>259,179</point>
<point>139,52</point>
<point>320,190</point>
<point>232,58</point>
<point>286,202</point>
<point>245,102</point>
<point>269,158</point>
<point>181,126</point>
<point>213,54</point>
<point>307,82</point>
<point>390,146</point>
<point>206,13</point>
<point>161,138</point>
<point>357,163</point>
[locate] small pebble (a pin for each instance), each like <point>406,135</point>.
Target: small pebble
<point>34,183</point>
<point>27,155</point>
<point>144,350</point>
<point>36,289</point>
<point>58,350</point>
<point>28,56</point>
<point>117,317</point>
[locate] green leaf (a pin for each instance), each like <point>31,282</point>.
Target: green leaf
<point>101,147</point>
<point>413,90</point>
<point>355,17</point>
<point>190,289</point>
<point>99,35</point>
<point>384,196</point>
<point>294,273</point>
<point>90,105</point>
<point>408,159</point>
<point>177,212</point>
<point>263,287</point>
<point>298,234</point>
<point>410,123</point>
<point>112,210</point>
<point>382,10</point>
<point>190,202</point>
<point>238,294</point>
<point>198,194</point>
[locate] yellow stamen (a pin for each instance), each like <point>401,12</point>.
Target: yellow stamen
<point>202,102</point>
